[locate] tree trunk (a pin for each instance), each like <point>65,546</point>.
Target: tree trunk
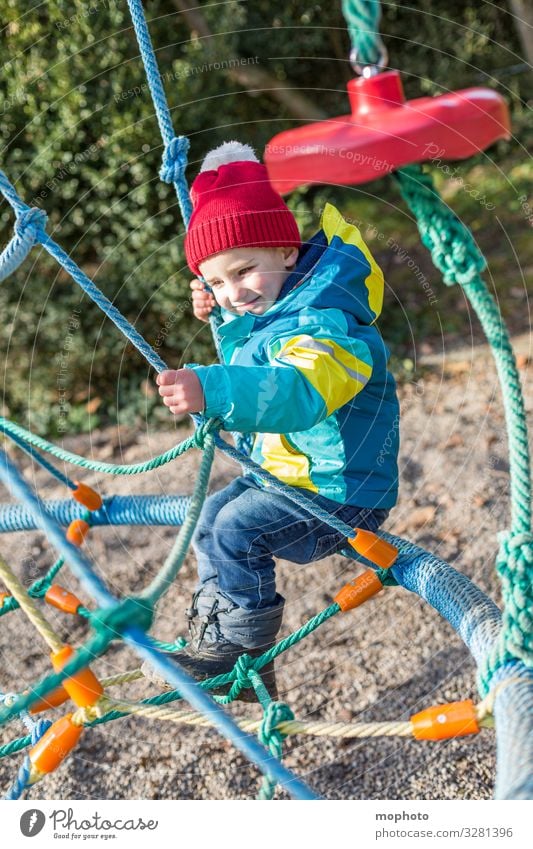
<point>255,80</point>
<point>522,11</point>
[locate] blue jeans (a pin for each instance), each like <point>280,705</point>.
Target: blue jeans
<point>243,527</point>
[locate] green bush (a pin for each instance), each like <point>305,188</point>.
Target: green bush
<point>80,140</point>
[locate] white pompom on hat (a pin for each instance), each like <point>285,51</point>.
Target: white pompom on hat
<point>235,206</point>
<point>230,151</point>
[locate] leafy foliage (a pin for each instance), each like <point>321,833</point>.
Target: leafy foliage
<point>79,139</point>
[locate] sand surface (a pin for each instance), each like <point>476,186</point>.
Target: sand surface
<point>384,661</point>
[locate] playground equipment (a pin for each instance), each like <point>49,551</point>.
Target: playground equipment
<point>501,644</point>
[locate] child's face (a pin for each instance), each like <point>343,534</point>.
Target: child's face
<point>248,279</point>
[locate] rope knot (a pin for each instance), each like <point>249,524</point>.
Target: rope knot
<point>242,666</point>
<point>174,159</point>
<point>29,222</point>
<point>130,611</point>
<point>204,430</point>
<point>275,713</point>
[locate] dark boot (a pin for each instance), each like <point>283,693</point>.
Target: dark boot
<point>220,633</point>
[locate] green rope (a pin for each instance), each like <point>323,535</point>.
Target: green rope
<point>84,656</point>
<point>15,746</point>
<point>110,623</point>
<point>362,21</point>
<point>193,441</point>
<point>271,738</point>
<point>163,581</point>
<point>456,255</point>
<point>514,564</point>
<point>38,589</point>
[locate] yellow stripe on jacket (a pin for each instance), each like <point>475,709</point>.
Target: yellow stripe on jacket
<point>335,373</point>
<point>333,224</point>
<point>285,462</point>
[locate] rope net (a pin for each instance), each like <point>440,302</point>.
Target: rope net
<point>501,646</point>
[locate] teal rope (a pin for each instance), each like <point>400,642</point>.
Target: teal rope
<point>194,441</point>
<point>514,564</point>
<point>38,589</point>
<point>456,255</point>
<point>15,746</point>
<point>362,21</point>
<point>31,452</point>
<point>271,738</point>
<point>163,581</point>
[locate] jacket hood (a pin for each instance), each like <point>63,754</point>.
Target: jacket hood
<point>335,270</point>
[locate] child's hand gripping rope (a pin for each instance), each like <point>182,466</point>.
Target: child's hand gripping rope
<point>181,391</point>
<point>202,301</point>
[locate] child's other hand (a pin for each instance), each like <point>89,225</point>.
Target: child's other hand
<point>202,301</point>
<point>181,391</point>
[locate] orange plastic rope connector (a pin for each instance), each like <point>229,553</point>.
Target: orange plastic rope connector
<point>61,598</point>
<point>376,550</point>
<point>84,687</point>
<point>358,591</point>
<point>77,531</point>
<point>55,744</point>
<point>87,496</point>
<point>3,597</point>
<point>440,722</point>
<point>52,699</point>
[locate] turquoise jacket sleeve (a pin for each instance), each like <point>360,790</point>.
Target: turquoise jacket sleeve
<point>306,377</point>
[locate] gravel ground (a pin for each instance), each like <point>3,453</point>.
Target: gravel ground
<point>384,661</point>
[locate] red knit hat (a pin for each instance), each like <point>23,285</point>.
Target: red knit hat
<point>234,206</point>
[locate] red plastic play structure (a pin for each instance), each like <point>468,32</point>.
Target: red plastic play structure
<point>384,132</point>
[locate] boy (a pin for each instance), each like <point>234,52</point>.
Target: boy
<point>305,371</point>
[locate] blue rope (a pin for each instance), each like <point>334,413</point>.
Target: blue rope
<point>176,148</point>
<point>104,303</point>
<point>160,510</point>
<point>27,227</point>
<point>469,611</point>
<point>34,454</point>
<point>85,283</point>
<point>15,483</point>
<point>36,728</point>
<point>142,644</point>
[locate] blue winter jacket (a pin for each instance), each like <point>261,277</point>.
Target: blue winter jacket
<point>309,377</point>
